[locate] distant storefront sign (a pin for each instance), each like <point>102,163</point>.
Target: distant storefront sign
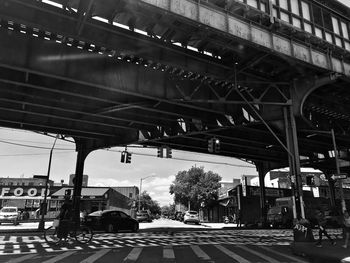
<point>22,191</point>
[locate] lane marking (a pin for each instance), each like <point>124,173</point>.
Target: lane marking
<point>134,254</point>
<point>59,257</point>
<point>168,252</point>
<point>200,253</point>
<point>96,256</point>
<point>232,254</point>
<point>21,259</point>
<point>294,259</point>
<point>263,256</point>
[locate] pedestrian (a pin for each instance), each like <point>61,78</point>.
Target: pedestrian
<point>346,222</point>
<point>321,224</point>
<point>65,217</point>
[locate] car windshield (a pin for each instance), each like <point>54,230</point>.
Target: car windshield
<point>9,210</point>
<point>142,213</point>
<point>96,213</point>
<point>192,212</point>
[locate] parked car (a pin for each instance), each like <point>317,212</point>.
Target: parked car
<point>191,217</point>
<point>9,214</point>
<point>143,216</point>
<point>111,221</point>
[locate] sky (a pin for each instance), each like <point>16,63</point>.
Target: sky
<point>25,153</point>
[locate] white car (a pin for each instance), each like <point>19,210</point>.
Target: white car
<point>191,217</point>
<point>9,214</point>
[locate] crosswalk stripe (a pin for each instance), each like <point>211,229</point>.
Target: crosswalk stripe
<point>20,259</point>
<point>96,256</point>
<point>200,253</point>
<point>269,259</point>
<point>232,254</point>
<point>59,257</point>
<point>294,259</point>
<point>168,253</point>
<point>134,254</point>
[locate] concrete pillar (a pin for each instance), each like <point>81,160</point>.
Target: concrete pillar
<point>263,211</point>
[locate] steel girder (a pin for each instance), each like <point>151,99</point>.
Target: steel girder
<point>108,81</point>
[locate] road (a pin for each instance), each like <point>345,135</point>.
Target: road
<point>180,245</point>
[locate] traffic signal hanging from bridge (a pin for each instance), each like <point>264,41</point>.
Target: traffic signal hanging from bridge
<point>213,145</point>
<point>168,152</point>
<point>160,152</point>
<point>125,157</point>
<point>128,157</point>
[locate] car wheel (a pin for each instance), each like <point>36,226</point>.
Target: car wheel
<point>15,222</point>
<point>185,222</point>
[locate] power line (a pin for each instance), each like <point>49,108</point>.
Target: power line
<point>33,146</point>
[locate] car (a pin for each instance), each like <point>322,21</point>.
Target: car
<point>111,221</point>
<point>191,217</point>
<point>9,214</point>
<point>143,216</point>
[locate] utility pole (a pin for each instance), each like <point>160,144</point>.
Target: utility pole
<point>139,206</point>
<point>43,207</point>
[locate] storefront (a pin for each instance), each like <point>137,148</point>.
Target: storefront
<point>28,199</point>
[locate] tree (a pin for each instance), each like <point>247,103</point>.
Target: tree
<point>147,203</point>
<point>168,210</point>
<point>195,186</point>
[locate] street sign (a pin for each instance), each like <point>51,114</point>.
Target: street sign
<point>339,176</point>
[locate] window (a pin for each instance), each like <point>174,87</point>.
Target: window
<point>306,10</point>
<point>335,26</point>
<point>318,32</point>
<point>295,7</point>
<point>130,195</point>
<point>284,4</point>
<point>296,22</point>
<point>344,30</point>
<point>263,7</point>
<point>284,17</point>
<point>329,37</point>
<point>253,3</point>
<point>307,27</point>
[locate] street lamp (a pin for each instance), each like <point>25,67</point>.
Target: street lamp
<point>41,225</point>
<point>141,188</point>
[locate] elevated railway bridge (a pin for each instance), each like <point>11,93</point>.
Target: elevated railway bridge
<point>269,79</point>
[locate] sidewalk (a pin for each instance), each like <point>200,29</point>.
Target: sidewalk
<point>28,227</point>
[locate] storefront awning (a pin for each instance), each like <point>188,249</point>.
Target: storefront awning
<point>224,202</point>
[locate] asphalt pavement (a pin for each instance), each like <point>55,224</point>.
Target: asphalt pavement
<point>328,253</point>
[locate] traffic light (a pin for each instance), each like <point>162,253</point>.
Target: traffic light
<point>122,158</point>
<point>211,145</point>
<point>216,145</point>
<point>168,153</point>
<point>128,157</point>
<point>160,152</point>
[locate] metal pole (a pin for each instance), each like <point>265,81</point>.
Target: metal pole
<point>140,194</point>
<point>41,225</point>
<point>338,172</point>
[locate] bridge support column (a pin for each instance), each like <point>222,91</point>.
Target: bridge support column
<point>82,153</point>
<point>294,163</point>
<point>263,208</point>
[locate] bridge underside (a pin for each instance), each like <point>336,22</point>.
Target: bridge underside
<point>65,73</point>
